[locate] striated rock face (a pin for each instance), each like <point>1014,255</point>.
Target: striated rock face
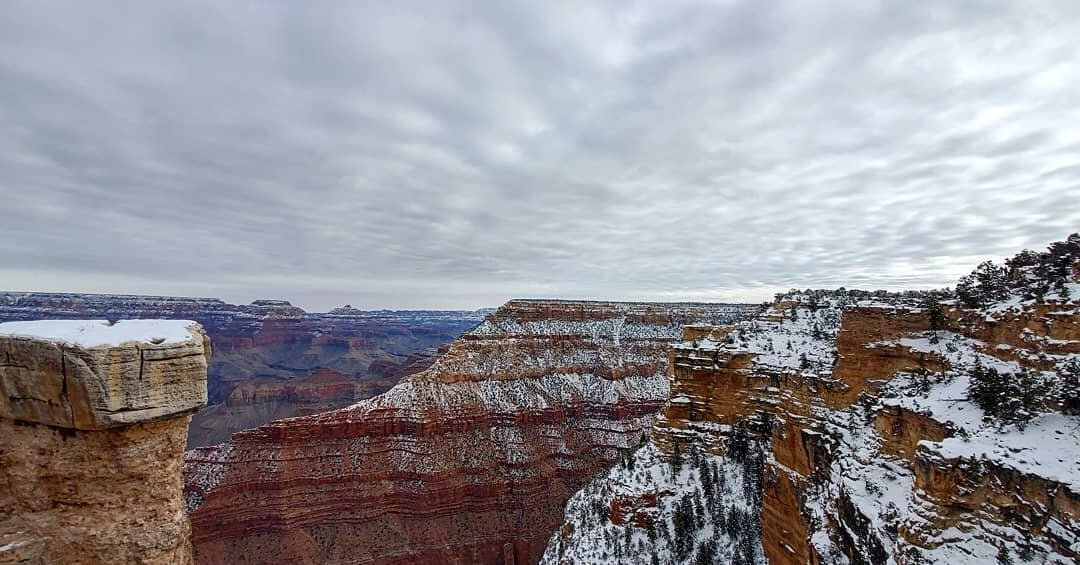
<point>958,492</point>
<point>265,401</point>
<point>469,461</point>
<point>93,420</point>
<point>266,344</point>
<point>865,463</point>
<point>872,449</point>
<point>901,430</point>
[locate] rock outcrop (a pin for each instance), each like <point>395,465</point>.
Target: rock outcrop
<point>257,401</point>
<point>266,344</point>
<point>857,419</point>
<point>469,461</point>
<point>93,421</point>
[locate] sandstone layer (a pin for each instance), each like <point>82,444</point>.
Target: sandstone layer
<point>470,461</point>
<point>92,439</point>
<point>872,449</point>
<point>864,453</point>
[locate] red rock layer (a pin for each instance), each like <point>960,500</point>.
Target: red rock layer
<point>720,388</point>
<point>718,382</point>
<point>470,461</point>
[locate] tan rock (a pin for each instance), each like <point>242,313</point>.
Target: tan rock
<point>71,385</point>
<point>92,439</point>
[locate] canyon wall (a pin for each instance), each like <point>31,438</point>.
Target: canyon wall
<point>93,422</point>
<point>865,459</point>
<point>469,461</point>
<point>268,346</point>
<point>871,448</point>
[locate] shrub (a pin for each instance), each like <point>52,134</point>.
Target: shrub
<point>985,285</point>
<point>1008,397</point>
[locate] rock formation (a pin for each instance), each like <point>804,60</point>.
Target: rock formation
<point>93,420</point>
<point>469,461</point>
<point>257,401</point>
<point>856,417</point>
<point>266,345</point>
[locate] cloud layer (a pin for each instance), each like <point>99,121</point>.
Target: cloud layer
<point>461,153</point>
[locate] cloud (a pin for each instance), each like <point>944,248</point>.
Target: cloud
<point>462,153</point>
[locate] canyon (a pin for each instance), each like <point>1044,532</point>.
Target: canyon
<point>271,359</point>
<point>469,461</point>
<point>828,426</point>
<point>852,417</point>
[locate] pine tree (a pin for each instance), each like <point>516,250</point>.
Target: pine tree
<point>706,554</point>
<point>1069,387</point>
<point>738,444</point>
<point>706,477</point>
<point>936,315</point>
<point>684,527</point>
<point>985,285</point>
<point>1009,398</point>
<point>699,510</point>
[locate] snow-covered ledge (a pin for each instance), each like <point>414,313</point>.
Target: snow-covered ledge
<point>95,374</point>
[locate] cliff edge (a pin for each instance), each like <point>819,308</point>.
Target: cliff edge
<point>93,423</point>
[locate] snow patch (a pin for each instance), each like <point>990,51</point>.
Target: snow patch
<point>94,333</point>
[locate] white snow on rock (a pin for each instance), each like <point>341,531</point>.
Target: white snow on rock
<point>94,333</point>
<point>1046,446</point>
<point>588,536</point>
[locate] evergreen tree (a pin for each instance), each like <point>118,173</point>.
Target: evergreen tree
<point>984,286</point>
<point>1069,387</point>
<point>685,527</point>
<point>936,314</point>
<point>706,553</point>
<point>705,475</point>
<point>1009,398</point>
<point>699,510</point>
<point>738,444</point>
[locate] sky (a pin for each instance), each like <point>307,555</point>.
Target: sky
<point>458,154</point>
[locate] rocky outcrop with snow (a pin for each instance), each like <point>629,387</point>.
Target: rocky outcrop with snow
<point>895,429</point>
<point>93,418</point>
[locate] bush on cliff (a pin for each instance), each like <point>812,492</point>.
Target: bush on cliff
<point>1010,398</point>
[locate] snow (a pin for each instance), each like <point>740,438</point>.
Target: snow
<point>1047,446</point>
<point>879,485</point>
<point>595,540</point>
<point>94,333</point>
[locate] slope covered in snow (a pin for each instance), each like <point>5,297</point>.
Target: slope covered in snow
<point>648,509</point>
<point>912,428</point>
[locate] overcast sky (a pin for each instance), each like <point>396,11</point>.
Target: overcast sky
<point>457,154</point>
